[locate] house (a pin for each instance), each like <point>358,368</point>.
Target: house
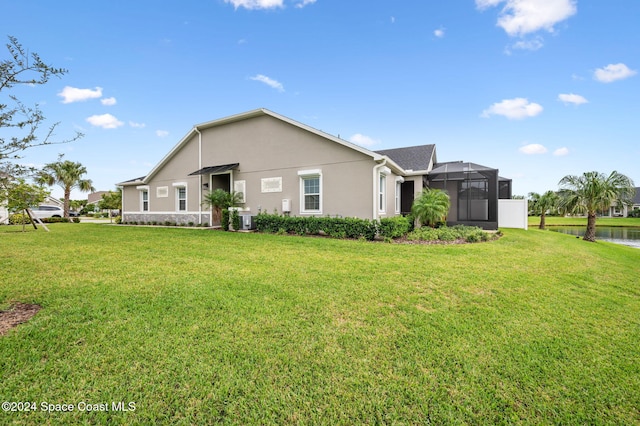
<point>623,211</point>
<point>95,198</point>
<point>281,165</point>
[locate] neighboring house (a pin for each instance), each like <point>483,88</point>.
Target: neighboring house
<point>95,197</point>
<point>281,165</point>
<point>51,201</point>
<point>623,211</point>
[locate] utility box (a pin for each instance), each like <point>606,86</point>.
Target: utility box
<point>247,222</point>
<point>286,205</point>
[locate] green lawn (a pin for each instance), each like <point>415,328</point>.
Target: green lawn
<point>200,327</point>
<point>534,221</point>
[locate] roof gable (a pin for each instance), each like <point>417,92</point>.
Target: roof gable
<point>251,114</point>
<point>412,158</point>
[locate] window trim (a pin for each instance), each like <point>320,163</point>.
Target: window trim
<point>142,200</point>
<point>310,174</point>
<point>398,197</point>
<point>243,184</point>
<point>382,193</point>
<point>178,188</point>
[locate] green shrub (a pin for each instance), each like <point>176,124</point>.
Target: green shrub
<point>394,227</point>
<point>18,219</point>
<point>55,220</point>
<point>235,220</point>
<point>77,219</point>
<point>224,221</point>
<point>333,226</point>
<point>470,234</point>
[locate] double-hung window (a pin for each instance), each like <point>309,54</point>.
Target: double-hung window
<point>310,191</point>
<point>382,193</point>
<point>181,195</point>
<point>145,200</point>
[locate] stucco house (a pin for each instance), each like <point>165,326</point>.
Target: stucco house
<point>281,165</point>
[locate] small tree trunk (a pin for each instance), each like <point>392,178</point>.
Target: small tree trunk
<point>542,221</point>
<point>590,235</point>
<point>67,196</point>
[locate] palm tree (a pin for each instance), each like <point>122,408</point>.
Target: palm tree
<point>67,175</point>
<point>543,203</point>
<point>220,200</point>
<point>592,192</point>
<point>431,207</point>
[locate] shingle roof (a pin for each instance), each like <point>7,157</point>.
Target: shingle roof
<point>411,157</point>
<point>636,199</point>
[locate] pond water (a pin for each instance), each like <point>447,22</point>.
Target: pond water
<point>614,234</point>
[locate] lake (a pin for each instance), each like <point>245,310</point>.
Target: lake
<point>614,234</point>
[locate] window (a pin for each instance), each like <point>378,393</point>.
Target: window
<point>181,196</point>
<point>382,198</point>
<point>145,200</point>
<point>240,188</point>
<point>310,191</point>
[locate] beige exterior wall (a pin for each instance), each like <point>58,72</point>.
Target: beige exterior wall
<point>267,148</point>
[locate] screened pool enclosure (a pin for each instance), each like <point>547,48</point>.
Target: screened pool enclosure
<point>474,191</point>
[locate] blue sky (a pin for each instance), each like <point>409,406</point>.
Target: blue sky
<point>536,88</point>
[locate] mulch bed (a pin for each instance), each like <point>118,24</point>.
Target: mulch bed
<point>17,314</point>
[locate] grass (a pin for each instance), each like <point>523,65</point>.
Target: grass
<point>534,221</point>
<point>200,327</point>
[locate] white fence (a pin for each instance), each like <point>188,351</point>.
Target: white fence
<point>512,214</point>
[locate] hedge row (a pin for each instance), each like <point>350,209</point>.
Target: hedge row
<point>19,219</point>
<point>337,227</point>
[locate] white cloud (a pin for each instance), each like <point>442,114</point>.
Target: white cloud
<point>162,133</point>
<point>520,17</point>
<point>533,148</point>
<point>570,98</point>
<point>513,109</point>
<point>362,140</point>
<point>393,19</point>
<point>106,121</point>
<point>73,94</point>
<point>304,3</point>
<point>256,4</point>
<point>613,72</point>
<point>269,82</point>
<point>439,32</point>
<point>137,125</point>
<point>561,152</point>
<point>108,101</point>
<point>533,44</point>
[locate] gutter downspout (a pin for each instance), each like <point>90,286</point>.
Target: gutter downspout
<point>199,176</point>
<point>376,182</point>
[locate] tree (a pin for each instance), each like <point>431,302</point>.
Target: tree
<point>593,192</point>
<point>541,204</point>
<point>220,200</point>
<point>431,207</point>
<point>21,196</point>
<point>112,200</point>
<point>68,175</point>
<point>18,120</point>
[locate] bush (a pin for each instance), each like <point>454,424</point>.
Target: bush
<point>335,227</point>
<point>224,221</point>
<point>18,219</point>
<point>470,234</point>
<point>394,227</point>
<point>55,220</point>
<point>235,220</point>
<point>634,213</point>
